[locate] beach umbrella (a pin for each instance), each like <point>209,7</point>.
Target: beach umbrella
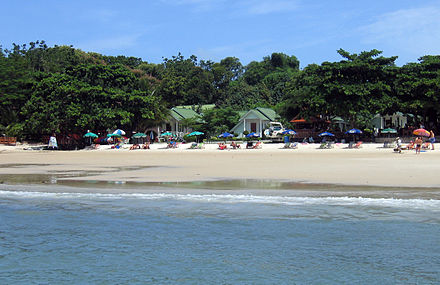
<point>90,136</point>
<point>166,134</point>
<point>354,131</point>
<point>226,135</point>
<point>389,131</point>
<point>326,134</point>
<point>289,132</point>
<point>114,135</point>
<point>119,132</point>
<point>196,134</point>
<point>252,135</point>
<point>421,132</point>
<point>137,136</point>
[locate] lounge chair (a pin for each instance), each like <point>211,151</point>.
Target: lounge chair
<point>294,145</point>
<point>257,145</point>
<point>323,145</point>
<point>201,146</point>
<point>222,146</point>
<point>358,145</point>
<point>426,145</point>
<point>408,146</point>
<point>135,146</point>
<point>234,145</point>
<point>193,146</point>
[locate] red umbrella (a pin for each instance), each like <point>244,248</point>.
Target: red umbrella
<point>421,132</point>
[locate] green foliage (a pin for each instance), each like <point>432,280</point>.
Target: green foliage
<point>63,89</point>
<point>219,120</point>
<point>356,88</point>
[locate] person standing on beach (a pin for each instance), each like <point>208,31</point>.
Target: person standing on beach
<point>418,143</point>
<point>432,139</point>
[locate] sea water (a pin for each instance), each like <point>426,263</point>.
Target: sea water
<point>161,237</point>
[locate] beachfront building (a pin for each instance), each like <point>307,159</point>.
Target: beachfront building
<point>178,119</point>
<point>255,120</point>
<point>397,120</point>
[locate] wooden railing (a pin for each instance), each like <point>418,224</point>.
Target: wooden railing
<point>8,140</point>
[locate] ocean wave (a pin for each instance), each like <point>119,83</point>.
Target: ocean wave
<point>425,204</point>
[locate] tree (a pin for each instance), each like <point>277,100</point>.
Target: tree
<point>356,88</point>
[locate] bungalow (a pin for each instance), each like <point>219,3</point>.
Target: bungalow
<point>175,122</point>
<point>255,120</point>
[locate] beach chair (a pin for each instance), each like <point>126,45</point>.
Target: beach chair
<point>193,146</point>
<point>358,145</point>
<point>201,146</point>
<point>257,145</point>
<point>294,145</point>
<point>323,145</point>
<point>426,145</point>
<point>408,146</point>
<point>330,145</point>
<point>234,145</point>
<point>135,146</point>
<point>222,146</point>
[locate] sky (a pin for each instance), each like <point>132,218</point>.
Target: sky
<point>311,30</point>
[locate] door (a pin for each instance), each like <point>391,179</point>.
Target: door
<point>254,127</point>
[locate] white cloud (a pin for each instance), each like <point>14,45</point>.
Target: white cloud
<point>410,31</point>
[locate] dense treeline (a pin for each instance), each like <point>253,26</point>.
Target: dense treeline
<point>65,90</point>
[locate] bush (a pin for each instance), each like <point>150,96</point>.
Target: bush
<point>15,130</point>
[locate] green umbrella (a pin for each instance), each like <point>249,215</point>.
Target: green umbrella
<point>195,134</point>
<point>90,135</point>
<point>139,135</point>
<point>389,131</point>
<point>166,134</point>
<point>114,135</point>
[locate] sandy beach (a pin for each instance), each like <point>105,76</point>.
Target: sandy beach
<point>371,165</point>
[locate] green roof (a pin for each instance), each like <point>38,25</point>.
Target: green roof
<point>269,114</point>
<point>202,108</point>
<point>180,113</point>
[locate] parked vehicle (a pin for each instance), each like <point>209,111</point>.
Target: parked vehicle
<point>274,131</point>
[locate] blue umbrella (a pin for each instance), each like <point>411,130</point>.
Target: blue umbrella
<point>253,135</point>
<point>354,131</point>
<point>289,132</point>
<point>226,135</point>
<point>326,134</point>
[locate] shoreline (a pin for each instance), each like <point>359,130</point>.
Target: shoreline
<point>370,165</point>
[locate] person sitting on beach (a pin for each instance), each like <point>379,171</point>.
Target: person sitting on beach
<point>398,145</point>
<point>234,145</point>
<point>432,139</point>
<point>222,146</point>
<point>418,141</point>
<point>135,146</point>
<point>146,145</point>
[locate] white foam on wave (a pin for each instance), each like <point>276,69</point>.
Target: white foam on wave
<point>425,204</point>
